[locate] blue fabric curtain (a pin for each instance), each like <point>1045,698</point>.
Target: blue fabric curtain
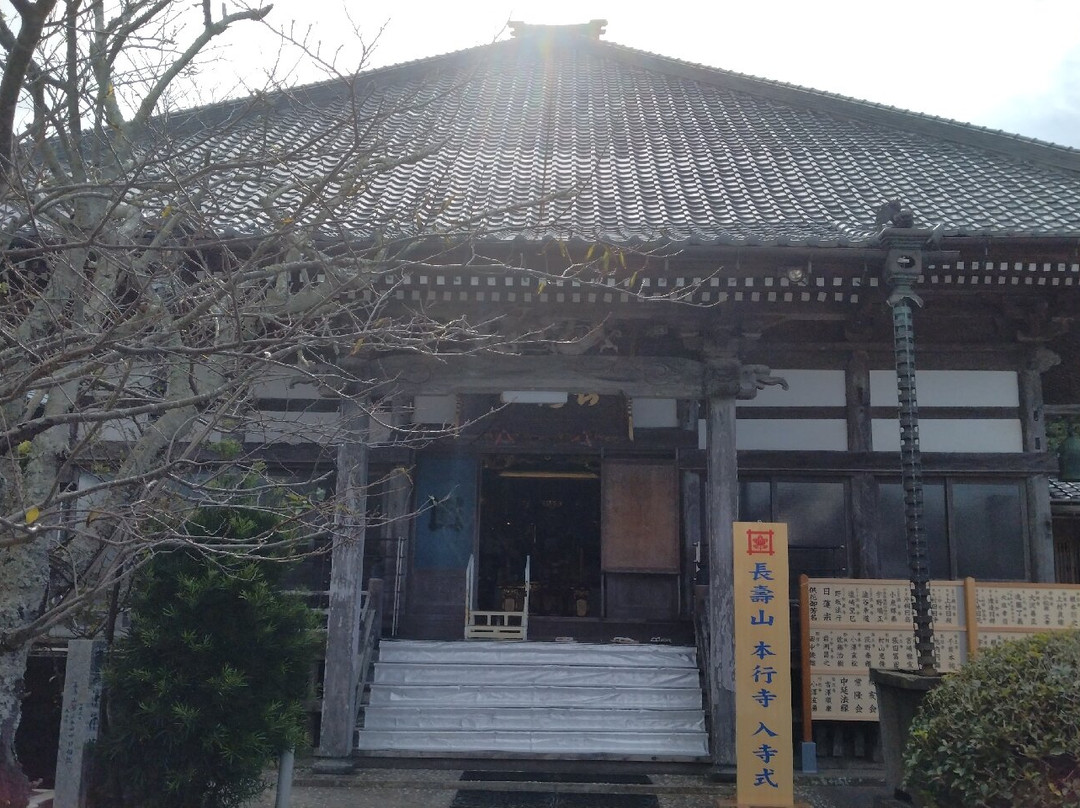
<point>446,489</point>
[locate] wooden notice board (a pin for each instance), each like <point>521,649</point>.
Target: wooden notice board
<point>850,626</point>
<point>640,524</point>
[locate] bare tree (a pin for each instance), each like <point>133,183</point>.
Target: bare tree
<point>156,265</point>
<point>160,265</point>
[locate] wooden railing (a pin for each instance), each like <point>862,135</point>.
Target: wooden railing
<point>370,630</point>
<point>495,625</point>
<point>704,644</point>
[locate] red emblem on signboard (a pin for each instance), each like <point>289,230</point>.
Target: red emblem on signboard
<point>759,542</point>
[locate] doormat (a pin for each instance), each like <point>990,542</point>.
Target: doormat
<point>555,777</point>
<point>553,799</point>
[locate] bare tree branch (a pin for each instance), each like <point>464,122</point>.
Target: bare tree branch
<point>18,64</point>
<point>210,30</point>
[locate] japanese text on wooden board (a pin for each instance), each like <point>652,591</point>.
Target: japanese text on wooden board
<point>856,625</point>
<point>763,728</point>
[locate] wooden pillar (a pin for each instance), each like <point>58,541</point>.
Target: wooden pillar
<point>346,579</point>
<point>690,485</point>
<point>865,555</point>
<point>1037,487</point>
<point>396,529</point>
<point>721,510</point>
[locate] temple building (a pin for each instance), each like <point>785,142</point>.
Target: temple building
<point>692,284</point>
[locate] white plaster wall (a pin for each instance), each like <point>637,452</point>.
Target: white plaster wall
<point>806,388</point>
<point>950,388</point>
<point>655,413</point>
<point>292,427</point>
<point>283,383</point>
<point>435,409</point>
<point>790,434</point>
<point>953,435</point>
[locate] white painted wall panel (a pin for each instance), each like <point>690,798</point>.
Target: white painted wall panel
<point>435,409</point>
<point>293,427</point>
<point>806,388</point>
<point>953,435</point>
<point>284,383</point>
<point>126,430</point>
<point>655,413</point>
<point>950,388</point>
<point>790,434</point>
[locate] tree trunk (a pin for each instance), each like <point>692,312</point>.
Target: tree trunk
<point>24,580</point>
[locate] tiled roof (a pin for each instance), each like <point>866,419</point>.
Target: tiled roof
<point>1062,491</point>
<point>580,139</point>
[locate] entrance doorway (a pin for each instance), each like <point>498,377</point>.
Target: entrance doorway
<point>547,509</point>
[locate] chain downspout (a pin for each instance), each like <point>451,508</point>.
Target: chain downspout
<point>902,269</point>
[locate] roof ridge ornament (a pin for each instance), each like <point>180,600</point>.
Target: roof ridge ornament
<point>894,214</point>
<point>593,29</point>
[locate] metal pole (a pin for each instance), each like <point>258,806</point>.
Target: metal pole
<point>284,779</point>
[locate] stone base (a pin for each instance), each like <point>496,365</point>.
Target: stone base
<point>899,694</point>
<point>333,765</point>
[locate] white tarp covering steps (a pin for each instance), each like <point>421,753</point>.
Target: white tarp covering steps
<point>534,718</point>
<point>510,696</point>
<point>537,653</point>
<point>535,698</point>
<point>544,674</point>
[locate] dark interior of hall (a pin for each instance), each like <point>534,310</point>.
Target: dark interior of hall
<point>547,509</point>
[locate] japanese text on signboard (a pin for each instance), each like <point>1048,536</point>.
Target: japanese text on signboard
<point>762,665</point>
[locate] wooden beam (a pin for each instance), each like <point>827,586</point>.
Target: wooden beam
<point>295,456</point>
<point>886,463</point>
<point>346,579</point>
<point>933,355</point>
<point>654,377</point>
<point>721,510</point>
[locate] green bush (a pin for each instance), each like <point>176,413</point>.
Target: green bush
<point>1004,731</point>
<point>208,686</point>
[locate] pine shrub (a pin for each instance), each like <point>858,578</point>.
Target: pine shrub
<point>1003,731</point>
<point>208,686</point>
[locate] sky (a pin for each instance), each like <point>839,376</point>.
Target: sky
<point>1004,64</point>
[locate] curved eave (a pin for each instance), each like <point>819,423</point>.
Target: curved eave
<point>868,243</point>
